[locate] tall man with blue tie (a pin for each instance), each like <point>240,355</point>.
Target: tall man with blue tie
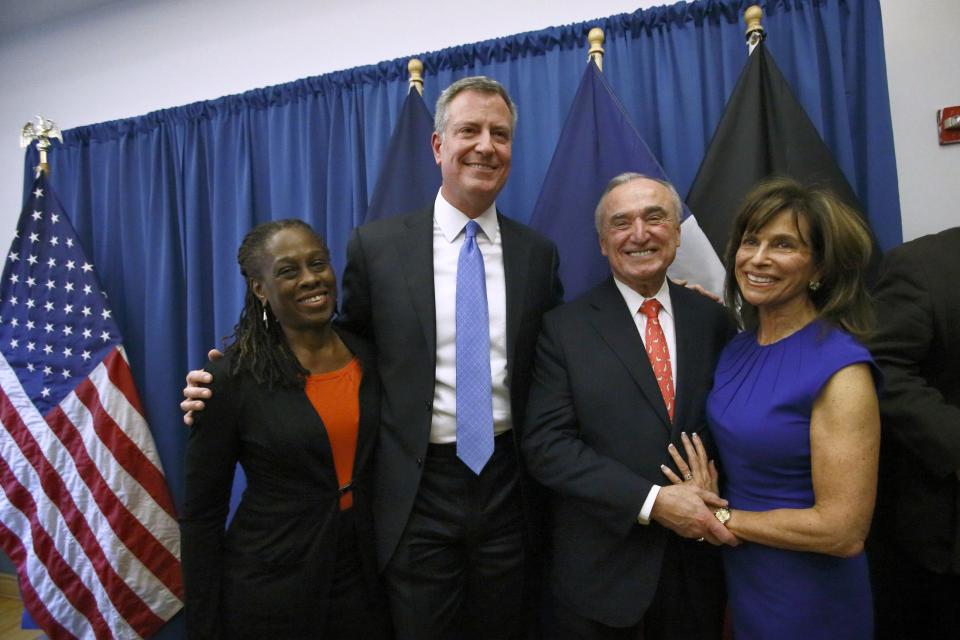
<point>452,296</point>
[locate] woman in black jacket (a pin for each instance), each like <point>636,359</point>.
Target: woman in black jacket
<point>295,402</point>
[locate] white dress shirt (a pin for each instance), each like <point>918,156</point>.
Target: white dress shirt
<point>634,300</point>
<point>448,235</point>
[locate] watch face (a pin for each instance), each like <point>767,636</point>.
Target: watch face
<point>722,514</point>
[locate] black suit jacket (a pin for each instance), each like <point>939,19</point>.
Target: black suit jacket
<point>269,574</point>
<point>596,433</point>
<point>388,297</point>
<point>917,345</point>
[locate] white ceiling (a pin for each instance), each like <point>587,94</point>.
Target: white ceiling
<point>17,16</point>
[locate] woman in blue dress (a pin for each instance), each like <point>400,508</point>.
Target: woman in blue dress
<point>794,416</point>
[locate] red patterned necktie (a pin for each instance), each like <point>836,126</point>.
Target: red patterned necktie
<point>658,352</point>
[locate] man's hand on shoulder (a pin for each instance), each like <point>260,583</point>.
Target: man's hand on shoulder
<point>194,393</point>
<point>688,511</point>
<point>699,289</point>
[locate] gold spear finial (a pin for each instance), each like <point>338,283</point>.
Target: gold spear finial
<point>596,38</point>
<point>41,130</point>
<point>754,32</point>
<point>415,67</point>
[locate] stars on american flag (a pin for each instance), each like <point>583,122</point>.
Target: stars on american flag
<point>55,324</point>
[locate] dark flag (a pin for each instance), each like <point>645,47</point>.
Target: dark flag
<point>410,177</point>
<point>764,131</point>
<point>598,142</point>
<point>85,514</point>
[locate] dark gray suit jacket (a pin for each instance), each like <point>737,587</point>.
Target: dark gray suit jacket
<point>917,346</point>
<point>596,433</point>
<point>388,296</point>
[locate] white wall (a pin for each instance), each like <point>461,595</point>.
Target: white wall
<point>923,71</point>
<point>127,58</point>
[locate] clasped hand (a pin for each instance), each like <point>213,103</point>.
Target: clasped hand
<point>687,505</point>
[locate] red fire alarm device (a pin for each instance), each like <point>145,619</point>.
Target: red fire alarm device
<point>948,124</point>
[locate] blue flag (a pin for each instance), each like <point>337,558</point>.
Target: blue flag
<point>410,177</point>
<point>598,142</point>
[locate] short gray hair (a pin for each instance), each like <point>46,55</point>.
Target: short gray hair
<point>630,176</point>
<point>482,84</point>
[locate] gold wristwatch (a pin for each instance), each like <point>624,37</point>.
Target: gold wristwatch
<point>723,515</point>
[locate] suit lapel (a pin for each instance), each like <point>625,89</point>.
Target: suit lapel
<point>369,391</point>
<point>416,260</point>
<point>297,410</point>
<point>616,328</point>
<point>515,275</point>
<point>687,361</point>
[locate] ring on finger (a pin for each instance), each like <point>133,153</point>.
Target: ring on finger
<point>688,476</point>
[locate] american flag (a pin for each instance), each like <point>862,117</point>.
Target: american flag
<point>85,513</point>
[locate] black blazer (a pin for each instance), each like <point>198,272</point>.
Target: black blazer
<point>596,433</point>
<point>388,297</point>
<point>917,346</point>
<point>269,574</point>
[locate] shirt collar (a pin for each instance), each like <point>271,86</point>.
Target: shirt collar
<point>634,299</point>
<point>452,221</point>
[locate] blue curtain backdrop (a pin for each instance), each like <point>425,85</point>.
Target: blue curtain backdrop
<point>161,202</point>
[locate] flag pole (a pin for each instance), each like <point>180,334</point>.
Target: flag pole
<point>596,38</point>
<point>415,67</point>
<point>40,130</point>
<point>754,33</point>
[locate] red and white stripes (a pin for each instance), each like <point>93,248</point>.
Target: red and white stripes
<point>85,512</point>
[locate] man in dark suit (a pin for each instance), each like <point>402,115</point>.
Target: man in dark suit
<point>915,543</point>
<point>453,543</point>
<point>627,561</point>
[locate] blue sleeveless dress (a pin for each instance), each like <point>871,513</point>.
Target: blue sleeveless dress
<point>759,413</point>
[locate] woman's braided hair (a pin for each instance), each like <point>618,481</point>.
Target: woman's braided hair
<point>260,348</point>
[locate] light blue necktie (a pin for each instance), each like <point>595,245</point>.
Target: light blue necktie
<point>474,399</point>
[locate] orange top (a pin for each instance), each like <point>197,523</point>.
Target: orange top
<point>336,398</point>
